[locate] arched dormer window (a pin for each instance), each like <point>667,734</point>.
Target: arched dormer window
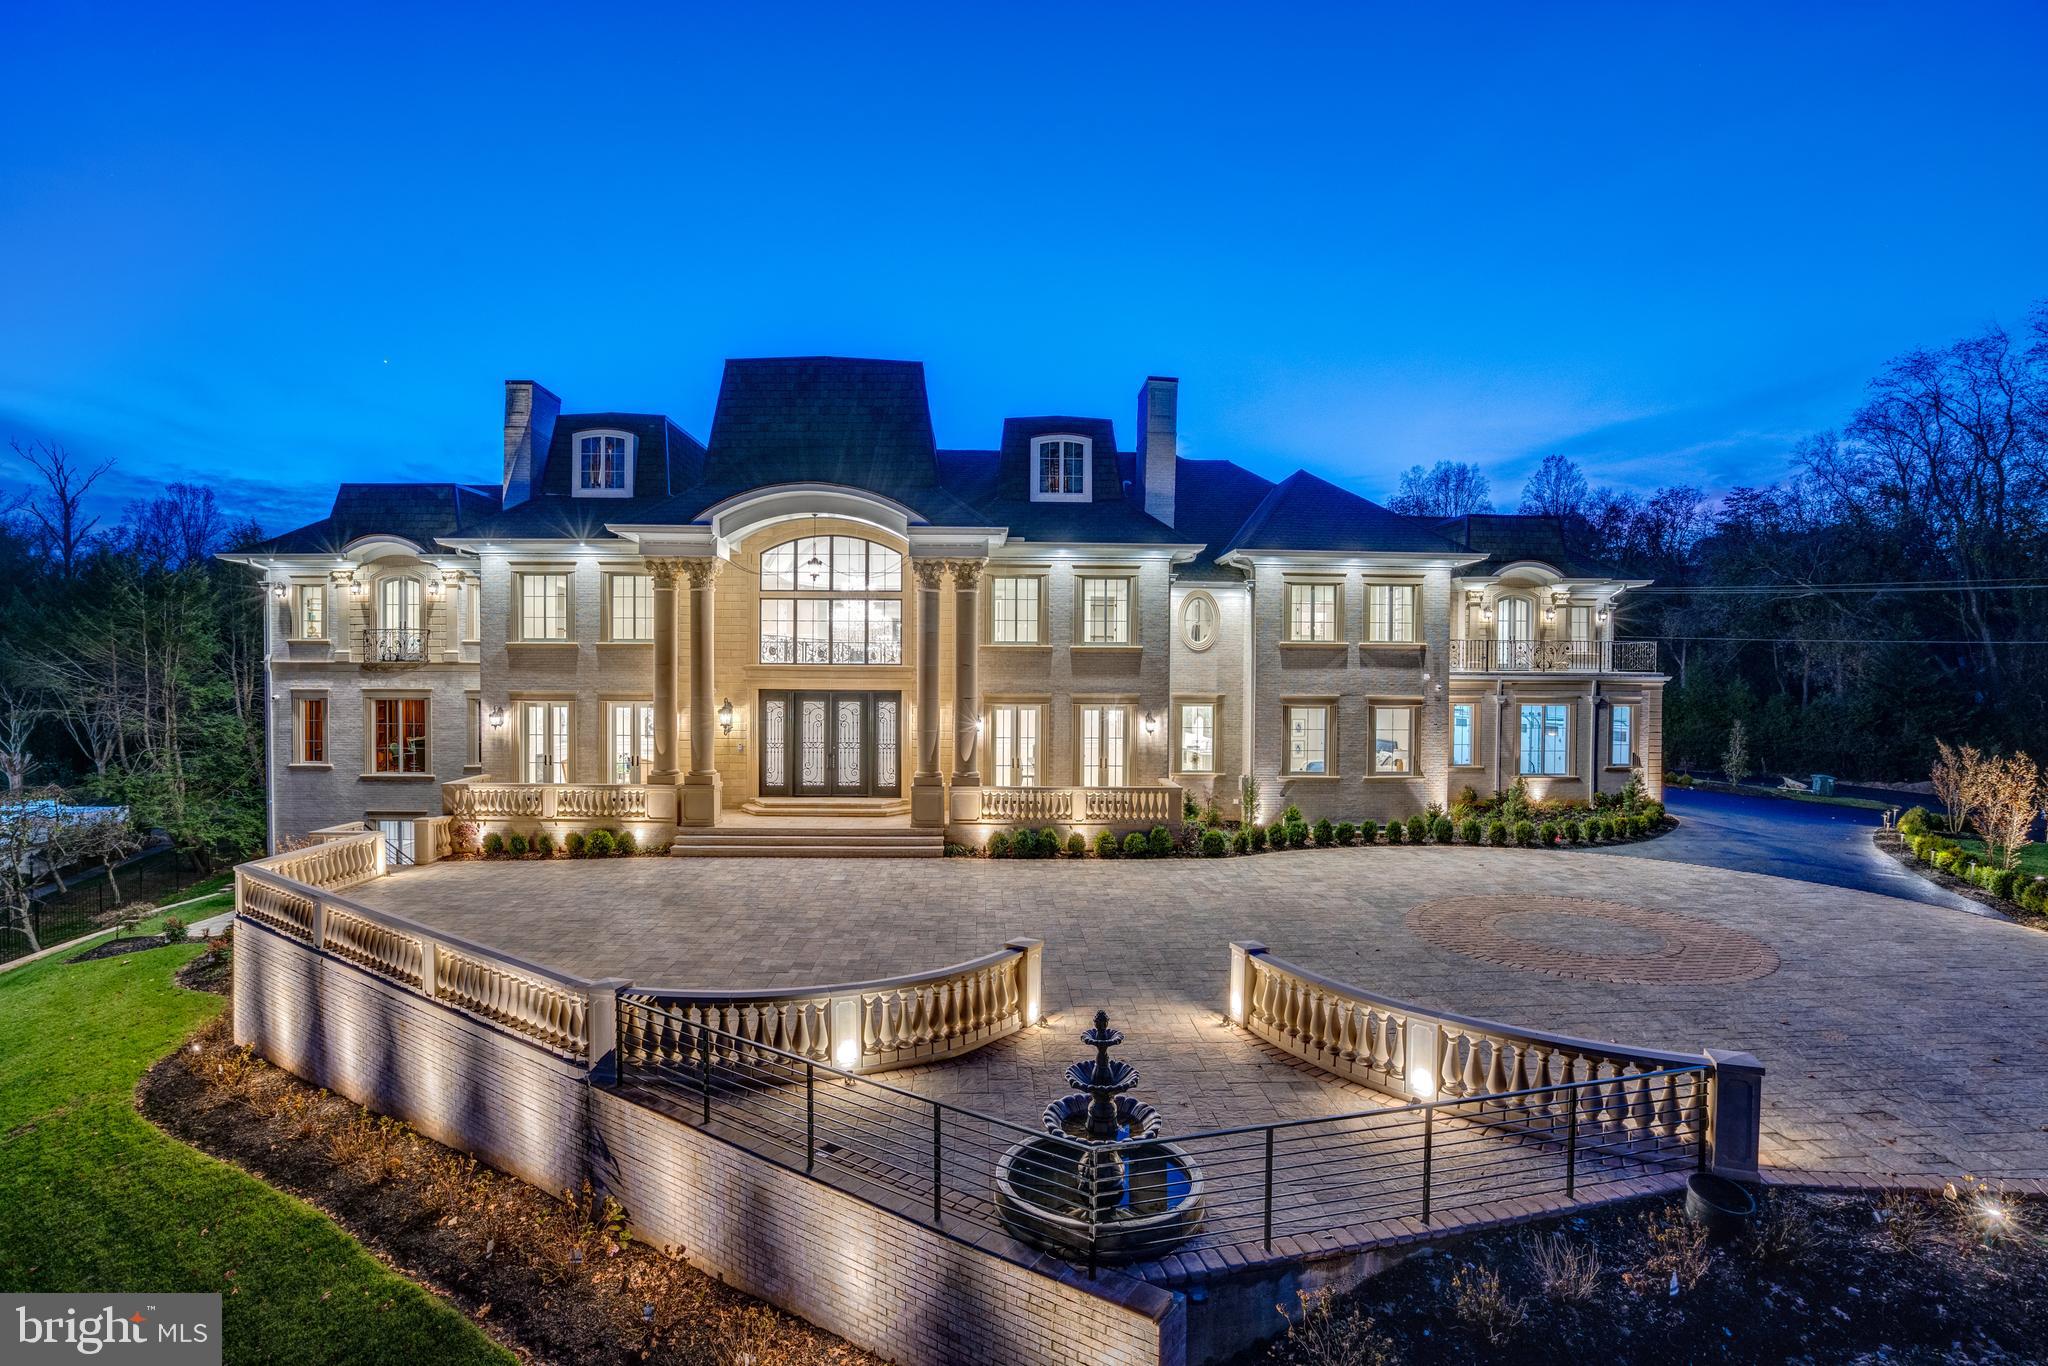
<point>604,464</point>
<point>1061,469</point>
<point>831,600</point>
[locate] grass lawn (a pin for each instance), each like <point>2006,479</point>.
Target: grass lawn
<point>2033,858</point>
<point>94,1197</point>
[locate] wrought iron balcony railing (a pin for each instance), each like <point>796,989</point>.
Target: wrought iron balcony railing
<point>396,645</point>
<point>1554,656</point>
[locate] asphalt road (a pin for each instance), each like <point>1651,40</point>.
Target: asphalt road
<point>1810,841</point>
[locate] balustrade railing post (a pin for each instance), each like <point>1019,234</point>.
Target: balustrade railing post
<point>810,1117</point>
<point>1428,1155</point>
<point>1269,1189</point>
<point>1571,1147</point>
<point>704,1069</point>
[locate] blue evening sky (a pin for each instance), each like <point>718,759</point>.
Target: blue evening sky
<point>281,246</point>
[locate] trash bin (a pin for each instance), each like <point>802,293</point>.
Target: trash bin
<point>1823,785</point>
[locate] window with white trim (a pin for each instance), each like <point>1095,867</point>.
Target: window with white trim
<point>1390,612</point>
<point>1312,613</point>
<point>1198,621</point>
<point>309,616</point>
<point>1060,469</point>
<point>544,738</point>
<point>831,600</point>
<point>1105,611</point>
<point>1308,739</point>
<point>1546,740</point>
<point>1014,603</point>
<point>1015,733</point>
<point>604,465</point>
<point>472,609</point>
<point>543,606</point>
<point>476,732</point>
<point>1462,714</point>
<point>1621,727</point>
<point>629,727</point>
<point>398,735</point>
<point>398,603</point>
<point>1105,745</point>
<point>312,731</point>
<point>1197,737</point>
<point>630,600</point>
<point>1393,740</point>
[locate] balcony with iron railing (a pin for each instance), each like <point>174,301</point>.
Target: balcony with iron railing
<point>1554,656</point>
<point>397,645</point>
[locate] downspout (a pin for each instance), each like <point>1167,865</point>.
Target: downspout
<point>1249,726</point>
<point>270,716</point>
<point>1593,701</point>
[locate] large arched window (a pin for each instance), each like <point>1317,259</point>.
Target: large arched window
<point>831,600</point>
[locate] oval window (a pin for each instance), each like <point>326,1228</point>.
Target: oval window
<point>1198,621</point>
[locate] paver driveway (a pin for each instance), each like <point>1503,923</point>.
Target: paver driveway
<point>1901,1039</point>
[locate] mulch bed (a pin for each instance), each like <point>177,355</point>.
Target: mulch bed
<point>114,948</point>
<point>555,1278</point>
<point>1889,842</point>
<point>1819,1277</point>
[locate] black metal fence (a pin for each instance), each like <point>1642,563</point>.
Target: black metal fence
<point>87,902</point>
<point>937,1163</point>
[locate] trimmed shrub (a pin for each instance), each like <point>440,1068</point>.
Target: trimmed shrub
<point>1546,834</point>
<point>494,845</point>
<point>2003,881</point>
<point>516,846</point>
<point>1241,842</point>
<point>1418,828</point>
<point>544,844</point>
<point>1914,822</point>
<point>1135,845</point>
<point>574,844</point>
<point>627,844</point>
<point>1471,831</point>
<point>1346,833</point>
<point>1396,832</point>
<point>999,845</point>
<point>1105,845</point>
<point>602,844</point>
<point>175,931</point>
<point>1326,833</point>
<point>1525,833</point>
<point>1215,844</point>
<point>1077,845</point>
<point>1048,843</point>
<point>1497,833</point>
<point>1290,814</point>
<point>1257,836</point>
<point>1159,844</point>
<point>1655,812</point>
<point>1368,832</point>
<point>1577,830</point>
<point>1440,830</point>
<point>1297,834</point>
<point>1644,825</point>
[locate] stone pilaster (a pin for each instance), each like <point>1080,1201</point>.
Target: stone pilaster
<point>928,785</point>
<point>665,572</point>
<point>965,802</point>
<point>700,795</point>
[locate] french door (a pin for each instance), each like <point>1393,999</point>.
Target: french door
<point>545,727</point>
<point>831,744</point>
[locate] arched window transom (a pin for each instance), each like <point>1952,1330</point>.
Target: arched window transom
<point>831,600</point>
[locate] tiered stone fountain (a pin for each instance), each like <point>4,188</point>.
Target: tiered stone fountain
<point>1101,1186</point>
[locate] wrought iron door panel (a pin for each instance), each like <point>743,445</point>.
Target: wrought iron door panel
<point>844,744</point>
<point>775,744</point>
<point>886,777</point>
<point>813,762</point>
<point>849,739</point>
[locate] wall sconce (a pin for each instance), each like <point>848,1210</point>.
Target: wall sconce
<point>497,718</point>
<point>725,716</point>
<point>280,592</point>
<point>1603,616</point>
<point>1151,723</point>
<point>1549,615</point>
<point>433,588</point>
<point>1486,614</point>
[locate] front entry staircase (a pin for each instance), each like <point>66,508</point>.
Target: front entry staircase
<point>821,827</point>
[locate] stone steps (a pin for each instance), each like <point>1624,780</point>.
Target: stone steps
<point>808,807</point>
<point>811,840</point>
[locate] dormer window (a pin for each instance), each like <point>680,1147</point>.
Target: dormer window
<point>1060,469</point>
<point>604,465</point>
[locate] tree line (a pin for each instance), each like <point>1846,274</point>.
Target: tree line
<point>1892,590</point>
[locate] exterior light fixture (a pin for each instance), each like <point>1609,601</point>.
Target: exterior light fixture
<point>1422,1083</point>
<point>357,588</point>
<point>1151,723</point>
<point>725,716</point>
<point>279,592</point>
<point>1486,614</point>
<point>497,718</point>
<point>846,1053</point>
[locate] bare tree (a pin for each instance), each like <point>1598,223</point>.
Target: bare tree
<point>33,842</point>
<point>1735,759</point>
<point>60,510</point>
<point>1952,776</point>
<point>2007,792</point>
<point>1557,489</point>
<point>107,838</point>
<point>1449,488</point>
<point>17,724</point>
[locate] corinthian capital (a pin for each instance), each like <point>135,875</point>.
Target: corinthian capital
<point>931,574</point>
<point>967,573</point>
<point>703,571</point>
<point>665,570</point>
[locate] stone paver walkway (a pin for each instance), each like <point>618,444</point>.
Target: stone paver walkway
<point>1901,1039</point>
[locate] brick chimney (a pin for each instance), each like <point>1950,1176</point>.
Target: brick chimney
<point>1158,444</point>
<point>530,413</point>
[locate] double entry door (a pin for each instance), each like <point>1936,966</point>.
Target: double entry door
<point>831,744</point>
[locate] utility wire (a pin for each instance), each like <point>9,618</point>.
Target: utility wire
<point>1803,640</point>
<point>1810,590</point>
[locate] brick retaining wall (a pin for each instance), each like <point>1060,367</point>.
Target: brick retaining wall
<point>890,1284</point>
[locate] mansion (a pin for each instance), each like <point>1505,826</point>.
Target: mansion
<point>815,614</point>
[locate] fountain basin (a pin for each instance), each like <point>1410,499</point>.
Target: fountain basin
<point>1042,1196</point>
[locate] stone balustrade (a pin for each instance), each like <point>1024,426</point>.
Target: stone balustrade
<point>482,799</point>
<point>563,1014</point>
<point>1622,1094</point>
<point>1106,806</point>
<point>857,1027</point>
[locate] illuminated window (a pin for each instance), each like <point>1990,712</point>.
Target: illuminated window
<point>1312,612</point>
<point>631,600</point>
<point>1060,468</point>
<point>543,606</point>
<point>1390,612</point>
<point>1461,733</point>
<point>310,619</point>
<point>1105,611</point>
<point>1308,739</point>
<point>1621,735</point>
<point>1545,739</point>
<point>1393,739</point>
<point>1198,737</point>
<point>398,727</point>
<point>1014,618</point>
<point>604,465</point>
<point>831,600</point>
<point>312,730</point>
<point>1105,733</point>
<point>1015,734</point>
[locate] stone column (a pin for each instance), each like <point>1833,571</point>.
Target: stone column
<point>700,801</point>
<point>928,785</point>
<point>965,801</point>
<point>666,771</point>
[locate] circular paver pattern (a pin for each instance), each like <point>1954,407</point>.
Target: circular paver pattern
<point>1564,937</point>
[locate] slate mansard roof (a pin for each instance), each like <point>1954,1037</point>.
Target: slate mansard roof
<point>867,424</point>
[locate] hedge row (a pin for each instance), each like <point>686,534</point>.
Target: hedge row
<point>1291,831</point>
<point>597,844</point>
<point>1947,856</point>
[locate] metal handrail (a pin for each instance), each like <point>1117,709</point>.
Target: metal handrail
<point>396,645</point>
